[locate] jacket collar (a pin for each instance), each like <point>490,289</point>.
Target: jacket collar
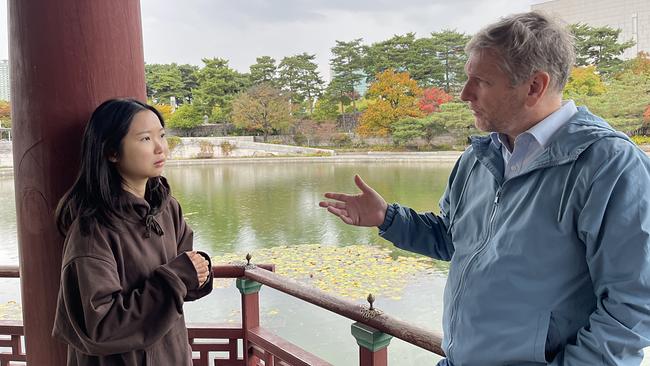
<point>566,145</point>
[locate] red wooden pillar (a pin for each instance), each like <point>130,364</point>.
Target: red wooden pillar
<point>369,358</point>
<point>66,57</point>
<point>373,345</point>
<point>250,303</point>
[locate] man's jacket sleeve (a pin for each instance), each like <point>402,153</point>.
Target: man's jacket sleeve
<point>614,225</point>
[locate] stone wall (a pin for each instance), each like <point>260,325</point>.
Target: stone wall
<point>208,147</point>
<point>235,146</point>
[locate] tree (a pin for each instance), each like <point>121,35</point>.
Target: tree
<point>409,129</point>
<point>347,66</point>
<point>164,81</point>
<point>395,97</point>
<point>449,45</point>
<point>263,71</point>
<point>185,117</point>
<point>395,53</point>
<point>217,85</point>
<point>599,46</point>
<point>432,98</point>
<point>165,110</point>
<point>262,108</point>
<point>190,82</point>
<point>5,114</point>
<point>298,75</point>
<point>638,65</point>
<point>325,109</point>
<point>584,81</point>
<point>456,116</point>
<point>336,90</point>
<point>624,101</point>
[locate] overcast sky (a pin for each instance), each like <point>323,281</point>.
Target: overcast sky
<point>240,31</point>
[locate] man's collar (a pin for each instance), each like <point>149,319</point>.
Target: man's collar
<point>544,129</point>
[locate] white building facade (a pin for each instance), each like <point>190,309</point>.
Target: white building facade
<point>631,16</point>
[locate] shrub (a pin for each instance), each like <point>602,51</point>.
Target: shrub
<point>186,116</point>
<point>227,148</point>
<point>299,138</point>
<point>207,149</point>
<point>173,142</point>
<point>641,140</point>
<point>341,139</point>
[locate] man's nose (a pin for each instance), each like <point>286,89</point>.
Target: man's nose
<point>465,94</point>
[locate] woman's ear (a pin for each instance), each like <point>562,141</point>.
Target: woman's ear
<point>112,157</point>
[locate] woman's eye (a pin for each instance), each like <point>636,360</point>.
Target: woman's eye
<point>145,138</point>
<point>162,135</point>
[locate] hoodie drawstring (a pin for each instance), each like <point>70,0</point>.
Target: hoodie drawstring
<point>150,224</point>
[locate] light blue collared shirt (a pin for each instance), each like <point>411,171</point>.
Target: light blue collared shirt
<point>531,143</point>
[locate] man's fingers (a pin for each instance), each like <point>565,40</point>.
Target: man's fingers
<point>361,184</point>
<point>326,204</point>
<point>347,220</point>
<point>337,196</point>
<point>337,211</point>
<point>342,214</point>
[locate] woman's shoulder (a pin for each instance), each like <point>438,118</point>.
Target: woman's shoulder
<point>96,241</point>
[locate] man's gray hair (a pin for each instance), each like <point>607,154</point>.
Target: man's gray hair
<point>527,43</point>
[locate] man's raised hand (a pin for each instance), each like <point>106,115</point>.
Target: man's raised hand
<point>367,208</point>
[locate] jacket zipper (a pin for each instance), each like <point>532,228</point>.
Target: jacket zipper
<point>461,281</point>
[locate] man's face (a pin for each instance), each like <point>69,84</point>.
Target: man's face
<point>496,104</point>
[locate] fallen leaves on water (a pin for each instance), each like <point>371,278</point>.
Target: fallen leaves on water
<point>10,310</point>
<point>351,271</point>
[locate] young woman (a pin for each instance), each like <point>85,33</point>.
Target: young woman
<point>128,264</point>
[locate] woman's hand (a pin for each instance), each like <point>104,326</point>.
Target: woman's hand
<point>201,265</point>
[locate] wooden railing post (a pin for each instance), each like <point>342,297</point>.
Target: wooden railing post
<point>250,304</point>
<point>373,345</point>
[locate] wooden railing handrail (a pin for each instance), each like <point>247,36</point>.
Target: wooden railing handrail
<point>420,337</point>
<point>264,274</point>
<point>9,271</point>
<point>218,271</point>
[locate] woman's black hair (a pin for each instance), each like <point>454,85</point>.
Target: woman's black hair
<point>97,197</point>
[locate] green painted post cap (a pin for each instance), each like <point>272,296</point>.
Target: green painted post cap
<point>369,337</point>
<point>247,286</point>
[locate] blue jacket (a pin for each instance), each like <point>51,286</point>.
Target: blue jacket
<point>549,267</point>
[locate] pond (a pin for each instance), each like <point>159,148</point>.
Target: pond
<point>270,210</point>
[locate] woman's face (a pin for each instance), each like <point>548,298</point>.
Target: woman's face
<point>143,151</point>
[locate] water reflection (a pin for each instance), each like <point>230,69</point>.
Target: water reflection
<point>244,206</point>
<point>234,208</point>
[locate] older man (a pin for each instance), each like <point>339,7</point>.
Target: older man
<point>546,221</point>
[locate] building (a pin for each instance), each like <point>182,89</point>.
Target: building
<point>631,16</point>
<point>4,80</point>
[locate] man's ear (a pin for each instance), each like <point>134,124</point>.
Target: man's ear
<point>537,87</point>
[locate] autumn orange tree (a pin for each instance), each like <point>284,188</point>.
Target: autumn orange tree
<point>639,65</point>
<point>394,96</point>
